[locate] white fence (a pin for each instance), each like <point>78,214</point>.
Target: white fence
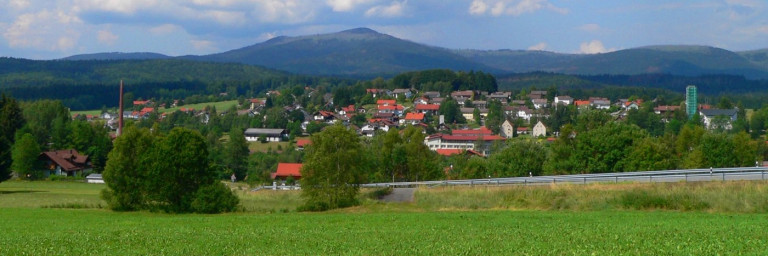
<point>736,173</point>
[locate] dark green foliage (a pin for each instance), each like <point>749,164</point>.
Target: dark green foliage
<point>450,109</point>
<point>602,149</point>
<point>236,155</point>
<point>519,158</point>
<point>11,120</point>
<point>333,169</point>
<point>161,173</point>
<point>214,198</point>
<point>48,121</point>
<point>25,158</point>
<point>124,175</point>
<point>457,81</point>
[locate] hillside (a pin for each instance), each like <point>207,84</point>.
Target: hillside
<point>365,53</point>
<point>758,57</point>
<point>357,52</point>
<point>118,56</point>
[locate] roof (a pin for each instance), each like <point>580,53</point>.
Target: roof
<point>255,132</point>
<point>303,142</point>
<point>666,108</point>
<point>401,90</point>
<point>480,131</point>
<point>581,102</point>
<point>448,152</point>
<point>434,107</point>
<point>387,102</point>
<point>287,170</point>
<point>414,116</point>
<point>68,159</point>
<point>719,112</point>
<point>465,137</point>
<point>391,107</point>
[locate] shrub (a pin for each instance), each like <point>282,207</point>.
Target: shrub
<point>215,198</point>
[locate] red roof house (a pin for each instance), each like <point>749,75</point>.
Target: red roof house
<point>285,170</point>
<point>301,143</point>
<point>65,162</point>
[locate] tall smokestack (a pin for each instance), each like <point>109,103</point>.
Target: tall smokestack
<point>120,114</point>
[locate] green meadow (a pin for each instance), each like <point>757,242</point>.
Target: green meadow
<point>68,218</point>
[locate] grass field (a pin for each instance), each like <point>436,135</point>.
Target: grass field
<point>264,147</point>
<point>37,218</point>
<point>220,106</point>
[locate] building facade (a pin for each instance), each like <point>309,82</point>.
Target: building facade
<point>691,102</point>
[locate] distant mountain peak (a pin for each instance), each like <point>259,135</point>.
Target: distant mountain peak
<point>360,31</point>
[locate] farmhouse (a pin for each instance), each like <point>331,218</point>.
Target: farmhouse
<point>718,118</point>
<point>271,135</point>
<point>286,170</point>
<point>66,162</point>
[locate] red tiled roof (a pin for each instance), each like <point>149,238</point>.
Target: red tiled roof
<point>433,107</point>
<point>285,170</point>
<point>303,142</point>
<point>480,131</point>
<point>581,102</point>
<point>388,102</point>
<point>68,159</point>
<point>414,116</point>
<point>351,108</point>
<point>465,137</point>
<point>448,152</point>
<point>391,107</point>
<point>140,102</point>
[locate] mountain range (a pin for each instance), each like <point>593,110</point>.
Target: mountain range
<point>363,52</point>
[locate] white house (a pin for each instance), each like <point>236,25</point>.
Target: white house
<point>507,129</point>
<point>539,130</point>
<point>563,100</point>
<point>711,117</point>
<point>271,135</point>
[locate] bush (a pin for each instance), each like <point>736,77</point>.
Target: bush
<point>214,198</point>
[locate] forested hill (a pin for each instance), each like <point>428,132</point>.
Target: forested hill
<point>365,53</point>
<point>357,52</point>
<point>32,73</point>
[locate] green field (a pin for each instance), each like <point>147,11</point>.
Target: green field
<point>220,106</point>
<point>37,219</point>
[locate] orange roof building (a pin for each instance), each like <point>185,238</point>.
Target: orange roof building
<point>285,170</point>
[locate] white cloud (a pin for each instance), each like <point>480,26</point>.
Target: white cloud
<point>118,6</point>
<point>538,47</point>
<point>52,31</point>
<point>345,5</point>
<point>203,45</point>
<point>284,11</point>
<point>512,7</point>
<point>107,37</point>
<point>393,10</point>
<point>594,46</point>
<point>164,29</point>
<point>18,4</point>
<point>478,7</point>
<point>592,28</point>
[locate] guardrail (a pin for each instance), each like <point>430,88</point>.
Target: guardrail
<point>736,173</point>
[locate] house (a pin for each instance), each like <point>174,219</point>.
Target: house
<point>107,116</point>
<point>256,103</point>
<point>480,104</point>
<point>518,103</point>
<point>599,103</point>
<point>414,118</point>
<point>421,100</point>
<point>719,118</point>
<point>502,97</point>
<point>665,110</point>
<point>436,100</point>
<point>537,94</point>
<point>301,144</point>
<point>66,162</point>
<point>407,93</point>
<point>431,94</point>
<point>482,131</point>
<point>271,135</point>
<point>445,141</point>
<point>347,110</point>
<point>323,116</point>
<point>370,129</point>
<point>522,130</point>
<point>286,170</point>
<point>563,100</point>
<point>393,109</point>
<point>539,103</point>
<point>378,92</point>
<point>507,129</point>
<point>450,152</point>
<point>141,102</point>
<point>462,96</point>
<point>581,103</point>
<point>539,130</point>
<point>524,113</point>
<point>427,108</point>
<point>386,102</point>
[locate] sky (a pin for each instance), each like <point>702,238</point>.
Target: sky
<point>51,29</point>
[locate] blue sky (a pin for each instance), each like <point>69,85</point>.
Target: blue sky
<point>49,29</point>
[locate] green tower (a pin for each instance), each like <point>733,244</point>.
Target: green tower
<point>691,103</point>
